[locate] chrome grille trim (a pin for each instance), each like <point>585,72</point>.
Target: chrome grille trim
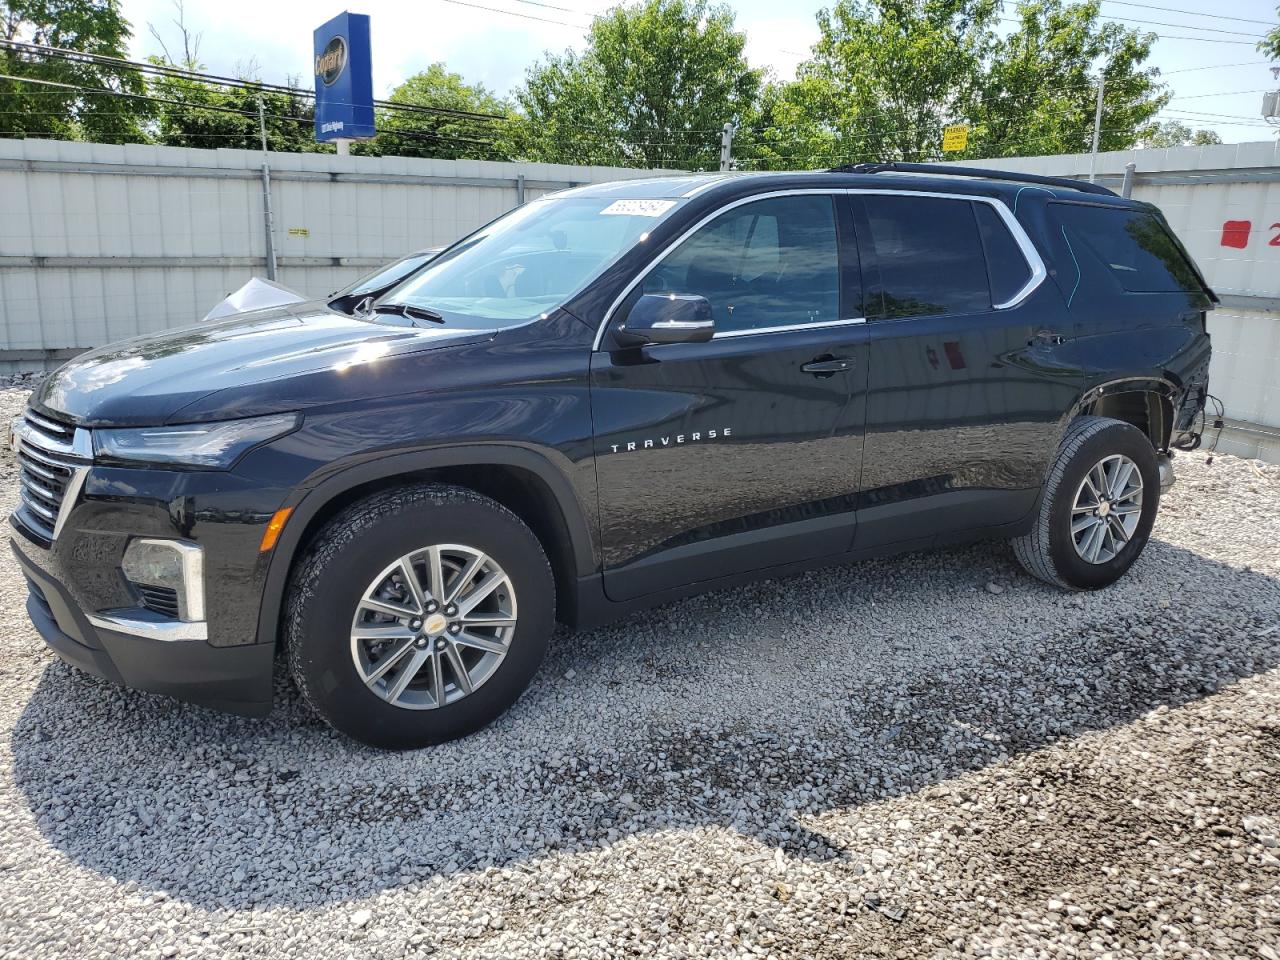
<point>39,471</point>
<point>58,430</point>
<point>53,459</point>
<point>39,507</point>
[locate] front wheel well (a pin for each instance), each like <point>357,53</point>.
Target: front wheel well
<point>1149,411</point>
<point>521,491</point>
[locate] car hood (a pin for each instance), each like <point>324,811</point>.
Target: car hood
<point>266,361</point>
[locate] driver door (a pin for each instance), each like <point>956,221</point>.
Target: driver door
<point>743,452</point>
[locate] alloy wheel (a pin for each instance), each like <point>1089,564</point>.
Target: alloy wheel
<point>433,626</point>
<point>1106,509</point>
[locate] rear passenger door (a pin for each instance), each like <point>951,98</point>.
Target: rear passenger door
<point>966,386</point>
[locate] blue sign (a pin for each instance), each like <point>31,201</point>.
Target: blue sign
<point>344,79</point>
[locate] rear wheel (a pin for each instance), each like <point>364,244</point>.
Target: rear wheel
<point>1099,504</point>
<point>418,616</point>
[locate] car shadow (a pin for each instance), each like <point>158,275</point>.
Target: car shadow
<point>756,709</point>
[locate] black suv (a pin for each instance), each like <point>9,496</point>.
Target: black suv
<point>605,399</point>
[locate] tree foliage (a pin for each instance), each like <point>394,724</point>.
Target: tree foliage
<point>887,75</point>
<point>199,113</point>
<point>1270,43</point>
<point>1038,93</point>
<point>1171,133</point>
<point>414,133</point>
<point>884,78</point>
<point>85,26</point>
<point>655,84</point>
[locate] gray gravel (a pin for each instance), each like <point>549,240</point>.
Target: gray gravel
<point>932,755</point>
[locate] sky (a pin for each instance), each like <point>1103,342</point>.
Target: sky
<point>1206,53</point>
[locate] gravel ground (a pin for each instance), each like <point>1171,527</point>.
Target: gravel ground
<point>932,755</point>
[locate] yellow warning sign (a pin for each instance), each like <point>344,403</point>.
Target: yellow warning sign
<point>955,137</point>
<point>299,232</point>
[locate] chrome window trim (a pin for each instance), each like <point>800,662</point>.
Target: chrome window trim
<point>816,325</point>
<point>1027,248</point>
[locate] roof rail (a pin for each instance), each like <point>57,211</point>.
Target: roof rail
<point>947,169</point>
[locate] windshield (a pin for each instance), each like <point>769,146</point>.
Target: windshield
<point>385,276</point>
<point>530,261</point>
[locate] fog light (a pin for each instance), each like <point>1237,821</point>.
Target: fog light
<point>169,575</point>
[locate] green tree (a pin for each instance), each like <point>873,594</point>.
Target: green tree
<point>1270,43</point>
<point>422,133</point>
<point>654,86</point>
<point>887,75</point>
<point>1038,93</point>
<point>884,78</point>
<point>85,26</point>
<point>195,112</point>
<point>1171,133</point>
<point>200,113</point>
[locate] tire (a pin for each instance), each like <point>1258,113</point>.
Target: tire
<point>1049,550</point>
<point>328,619</point>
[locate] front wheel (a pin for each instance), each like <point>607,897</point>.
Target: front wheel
<point>1097,509</point>
<point>418,616</point>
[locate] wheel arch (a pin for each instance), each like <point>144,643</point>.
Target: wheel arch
<point>1145,402</point>
<point>522,480</point>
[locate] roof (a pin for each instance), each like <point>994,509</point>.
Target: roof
<point>940,180</point>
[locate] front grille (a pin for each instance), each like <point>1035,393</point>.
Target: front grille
<point>162,600</point>
<point>50,464</point>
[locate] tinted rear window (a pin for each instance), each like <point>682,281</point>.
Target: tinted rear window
<point>1131,246</point>
<point>1006,266</point>
<point>929,256</point>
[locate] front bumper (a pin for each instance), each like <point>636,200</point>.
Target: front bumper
<point>236,679</point>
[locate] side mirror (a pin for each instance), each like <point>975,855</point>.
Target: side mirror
<point>667,318</point>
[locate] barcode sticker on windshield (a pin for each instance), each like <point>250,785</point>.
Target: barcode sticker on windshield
<point>638,208</point>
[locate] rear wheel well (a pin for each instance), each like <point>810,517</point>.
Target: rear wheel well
<point>1145,409</point>
<point>521,491</point>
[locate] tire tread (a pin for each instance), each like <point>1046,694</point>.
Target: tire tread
<point>341,531</point>
<point>1032,548</point>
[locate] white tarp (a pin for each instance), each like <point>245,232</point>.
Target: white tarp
<point>257,294</point>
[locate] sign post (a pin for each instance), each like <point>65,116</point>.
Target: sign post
<point>344,81</point>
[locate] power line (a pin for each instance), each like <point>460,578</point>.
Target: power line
<point>165,70</point>
<point>1212,66</point>
<point>516,13</point>
<point>1190,13</point>
<point>409,134</point>
<point>1183,26</point>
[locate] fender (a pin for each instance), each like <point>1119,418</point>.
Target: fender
<point>309,501</point>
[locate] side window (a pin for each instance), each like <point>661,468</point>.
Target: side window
<point>1131,246</point>
<point>1007,268</point>
<point>770,263</point>
<point>929,256</point>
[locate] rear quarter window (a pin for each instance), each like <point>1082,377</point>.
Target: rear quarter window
<point>1132,247</point>
<point>1007,267</point>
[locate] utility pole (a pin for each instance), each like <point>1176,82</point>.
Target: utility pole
<point>726,146</point>
<point>1097,130</point>
<point>266,194</point>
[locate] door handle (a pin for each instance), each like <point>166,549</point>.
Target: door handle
<point>828,366</point>
<point>1049,336</point>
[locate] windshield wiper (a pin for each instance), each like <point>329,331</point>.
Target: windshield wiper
<point>410,311</point>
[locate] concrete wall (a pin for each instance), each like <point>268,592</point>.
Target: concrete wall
<point>101,242</point>
<point>1224,202</point>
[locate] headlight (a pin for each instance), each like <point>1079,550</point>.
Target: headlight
<point>195,444</point>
